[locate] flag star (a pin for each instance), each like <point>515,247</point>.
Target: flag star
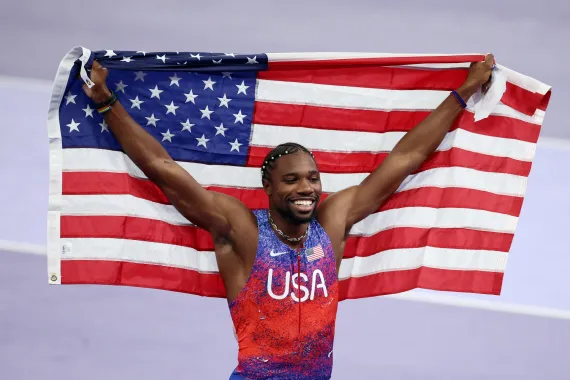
<point>230,54</point>
<point>209,84</point>
<point>139,75</point>
<point>251,61</point>
<point>174,80</point>
<point>206,113</point>
<point>235,145</point>
<point>224,101</point>
<point>162,58</point>
<point>171,108</point>
<point>239,117</point>
<point>190,97</point>
<point>110,53</point>
<point>88,111</point>
<point>104,126</point>
<point>226,74</point>
<point>221,130</point>
<point>121,87</point>
<point>187,126</point>
<point>202,141</point>
<point>155,92</point>
<point>136,102</point>
<point>167,136</point>
<point>127,59</point>
<point>242,88</point>
<point>217,62</point>
<point>143,53</point>
<point>152,120</point>
<point>70,98</point>
<point>195,56</point>
<point>73,126</point>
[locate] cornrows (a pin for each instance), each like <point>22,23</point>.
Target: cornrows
<point>280,151</point>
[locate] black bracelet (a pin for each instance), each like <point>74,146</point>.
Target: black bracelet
<point>112,99</point>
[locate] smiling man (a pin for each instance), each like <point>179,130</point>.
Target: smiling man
<point>280,266</point>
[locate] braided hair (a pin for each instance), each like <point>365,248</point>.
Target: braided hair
<point>279,151</point>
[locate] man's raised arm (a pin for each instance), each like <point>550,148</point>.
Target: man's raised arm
<point>203,208</point>
<point>354,204</point>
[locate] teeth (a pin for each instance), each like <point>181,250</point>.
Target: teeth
<point>304,203</point>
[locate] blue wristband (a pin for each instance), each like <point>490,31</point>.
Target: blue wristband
<point>459,99</point>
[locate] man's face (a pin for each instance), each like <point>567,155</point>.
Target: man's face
<point>295,187</point>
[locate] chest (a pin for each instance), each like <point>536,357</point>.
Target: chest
<point>302,275</point>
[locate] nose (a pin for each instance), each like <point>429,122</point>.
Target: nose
<point>305,187</point>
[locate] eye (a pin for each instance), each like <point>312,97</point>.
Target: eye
<point>289,179</point>
<point>315,178</point>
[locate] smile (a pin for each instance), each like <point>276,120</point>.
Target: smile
<point>304,202</point>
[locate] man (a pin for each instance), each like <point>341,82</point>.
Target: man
<point>280,266</point>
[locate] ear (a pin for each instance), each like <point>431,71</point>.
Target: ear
<point>266,186</point>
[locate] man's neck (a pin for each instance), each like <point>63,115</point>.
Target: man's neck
<point>292,230</point>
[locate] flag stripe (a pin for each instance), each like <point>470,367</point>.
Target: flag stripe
<point>106,272</point>
<point>123,273</point>
<point>205,261</point>
<point>383,283</point>
<point>90,183</point>
<point>359,162</point>
<point>426,217</point>
<point>349,141</point>
<point>247,177</point>
<point>401,78</point>
<point>378,121</point>
<point>300,61</point>
<point>136,228</point>
<point>365,98</point>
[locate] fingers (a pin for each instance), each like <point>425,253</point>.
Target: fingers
<point>98,67</point>
<point>490,60</point>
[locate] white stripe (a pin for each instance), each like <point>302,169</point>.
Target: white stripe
<point>141,252</point>
<point>205,261</point>
<point>314,56</point>
<point>524,81</point>
<point>420,217</point>
<point>351,141</point>
<point>84,159</point>
<point>413,258</point>
<point>365,98</point>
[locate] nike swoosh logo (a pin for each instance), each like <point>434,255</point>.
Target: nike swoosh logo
<point>275,254</point>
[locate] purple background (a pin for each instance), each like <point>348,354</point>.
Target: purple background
<point>89,332</point>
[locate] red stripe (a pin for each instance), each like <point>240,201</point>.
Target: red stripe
<point>396,78</point>
<point>366,162</point>
<point>523,100</point>
<point>87,183</point>
<point>426,278</point>
<point>131,228</point>
<point>100,272</point>
<point>378,61</point>
<point>341,119</point>
<point>211,285</point>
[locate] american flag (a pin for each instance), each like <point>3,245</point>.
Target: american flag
<point>449,226</point>
<point>315,253</point>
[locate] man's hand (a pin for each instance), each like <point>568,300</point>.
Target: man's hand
<point>99,92</point>
<point>478,77</point>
